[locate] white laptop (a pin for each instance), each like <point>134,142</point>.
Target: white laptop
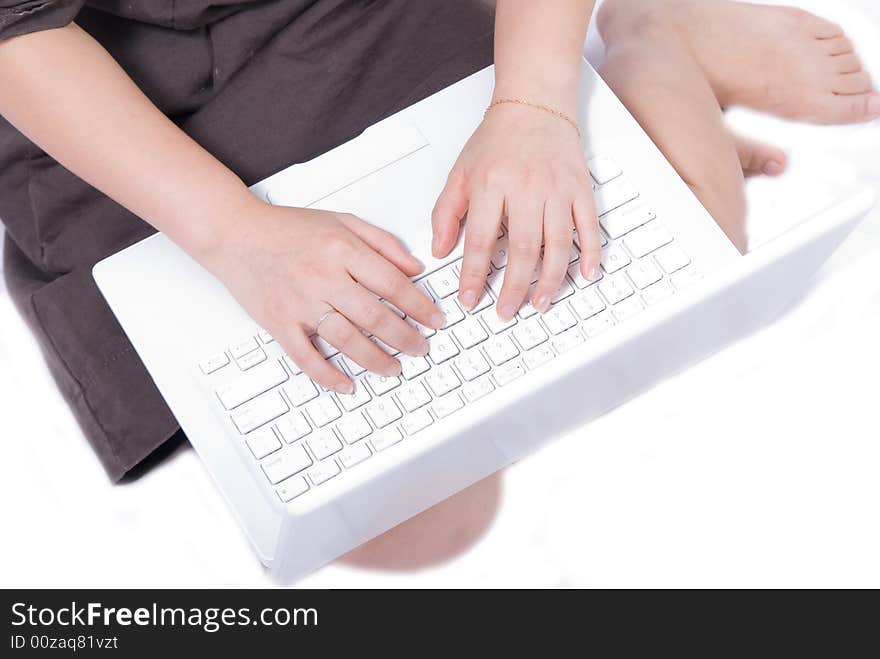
<point>311,474</point>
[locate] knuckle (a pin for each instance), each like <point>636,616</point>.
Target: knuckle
<point>523,247</point>
<point>345,335</point>
<point>480,239</point>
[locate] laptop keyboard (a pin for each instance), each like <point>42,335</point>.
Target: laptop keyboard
<point>303,435</point>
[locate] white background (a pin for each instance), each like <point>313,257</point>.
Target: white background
<point>758,467</point>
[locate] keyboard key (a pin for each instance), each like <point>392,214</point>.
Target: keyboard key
<point>579,280</point>
<point>354,427</point>
<point>568,341</point>
<point>326,350</point>
<point>213,363</point>
<point>648,238</point>
<point>386,438</point>
<point>443,348</point>
<point>501,349</point>
<point>603,170</point>
<point>426,332</point>
<point>559,319</point>
<point>293,426</point>
<point>354,455</point>
<point>616,289</point>
<point>259,412</point>
<point>563,293</point>
<point>324,444</point>
<point>494,323</point>
<point>262,443</point>
<point>383,412</point>
<point>412,367</point>
<point>628,308</point>
<point>324,471</point>
<point>323,410</point>
<point>672,258</point>
<point>446,406</point>
<point>384,347</point>
<point>291,488</point>
<point>444,282</point>
<point>265,337</point>
<point>470,333</point>
<point>501,253</point>
<point>285,464</point>
<point>256,381</point>
<point>352,366</point>
<point>621,222</point>
<point>613,258</point>
<point>417,421</point>
<point>294,369</point>
<point>598,324</point>
<point>382,384</point>
<point>484,303</point>
<point>242,348</point>
<point>587,304</point>
<point>643,274</point>
<point>413,395</point>
<point>300,390</point>
<point>508,373</point>
<point>452,311</point>
<point>657,293</point>
<point>530,335</point>
<point>474,391</point>
<point>442,380</point>
<point>359,397</point>
<point>251,359</point>
<point>538,357</point>
<point>472,365</point>
<point>614,195</point>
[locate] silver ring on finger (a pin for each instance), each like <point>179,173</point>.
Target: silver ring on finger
<point>324,316</point>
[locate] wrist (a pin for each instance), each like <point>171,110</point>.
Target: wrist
<point>559,92</point>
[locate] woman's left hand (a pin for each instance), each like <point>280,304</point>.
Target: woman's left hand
<point>526,165</point>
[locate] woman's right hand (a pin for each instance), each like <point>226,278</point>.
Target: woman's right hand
<point>289,267</point>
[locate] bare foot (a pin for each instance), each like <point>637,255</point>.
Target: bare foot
<point>758,158</point>
<point>779,60</point>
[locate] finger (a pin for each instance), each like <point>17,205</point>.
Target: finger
<point>385,243</point>
<point>590,242</point>
<point>377,275</point>
<point>558,232</point>
<point>374,316</point>
<point>480,238</point>
<point>313,364</point>
<point>343,335</point>
<point>451,206</point>
<point>525,224</point>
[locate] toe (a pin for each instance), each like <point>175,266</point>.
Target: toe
<point>852,83</point>
<point>838,46</point>
<point>822,28</point>
<point>758,158</point>
<point>849,109</point>
<point>849,63</point>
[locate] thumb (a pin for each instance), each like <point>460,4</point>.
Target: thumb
<point>451,207</point>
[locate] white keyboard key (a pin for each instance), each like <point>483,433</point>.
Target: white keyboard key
<point>444,282</point>
<point>294,369</point>
<point>354,455</point>
<point>474,391</point>
<point>388,437</point>
<point>508,373</point>
<point>256,381</point>
<point>383,412</point>
<point>323,410</point>
<point>442,380</point>
<point>621,222</point>
<point>359,397</point>
<point>443,348</point>
<point>495,280</point>
<point>628,308</point>
<point>324,471</point>
<point>412,367</point>
<point>563,293</point>
<point>527,310</point>
<point>530,335</point>
<point>293,426</point>
<point>657,293</point>
<point>291,488</point>
<point>251,359</point>
<point>446,406</point>
<point>614,195</point>
<point>352,366</point>
<point>672,258</point>
<point>539,356</point>
<point>242,348</point>
<point>422,285</point>
<point>426,332</point>
<point>501,253</point>
<point>643,274</point>
<point>494,323</point>
<point>382,384</point>
<point>300,390</point>
<point>604,170</point>
<point>559,319</point>
<point>598,324</point>
<point>262,443</point>
<point>470,333</point>
<point>568,341</point>
<point>501,350</point>
<point>587,304</point>
<point>323,444</point>
<point>613,258</point>
<point>326,350</point>
<point>354,427</point>
<point>413,395</point>
<point>451,310</point>
<point>484,303</point>
<point>285,464</point>
<point>645,240</point>
<point>472,365</point>
<point>384,347</point>
<point>417,421</point>
<point>259,412</point>
<point>213,363</point>
<point>616,289</point>
<point>265,337</point>
<point>578,278</point>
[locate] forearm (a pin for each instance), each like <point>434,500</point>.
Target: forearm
<point>538,48</point>
<point>68,95</point>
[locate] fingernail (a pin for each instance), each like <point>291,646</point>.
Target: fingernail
<point>393,371</point>
<point>594,274</point>
<point>541,303</point>
<point>773,168</point>
<point>346,388</point>
<point>468,300</point>
<point>423,349</point>
<point>507,312</point>
<point>874,106</point>
<point>435,243</point>
<point>438,321</point>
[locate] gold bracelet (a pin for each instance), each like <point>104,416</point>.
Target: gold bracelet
<point>537,106</point>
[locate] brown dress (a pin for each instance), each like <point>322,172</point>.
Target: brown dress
<point>261,85</point>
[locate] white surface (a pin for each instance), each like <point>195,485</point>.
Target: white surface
<point>756,468</point>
